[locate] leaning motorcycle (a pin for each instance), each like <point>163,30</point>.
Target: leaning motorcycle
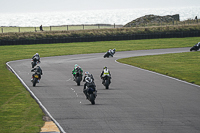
<point>109,54</point>
<point>91,95</point>
<point>106,82</point>
<point>195,47</point>
<point>34,62</point>
<point>78,77</point>
<point>35,79</point>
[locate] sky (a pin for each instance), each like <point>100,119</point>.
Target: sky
<point>23,6</point>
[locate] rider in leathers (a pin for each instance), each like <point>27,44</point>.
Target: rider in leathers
<point>104,73</point>
<point>89,84</point>
<point>74,71</point>
<point>111,51</point>
<point>87,74</point>
<point>36,57</point>
<point>37,70</point>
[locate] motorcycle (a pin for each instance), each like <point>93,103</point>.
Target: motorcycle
<point>35,79</point>
<point>91,95</point>
<point>109,54</point>
<point>78,77</point>
<point>195,47</point>
<point>34,62</point>
<point>106,82</point>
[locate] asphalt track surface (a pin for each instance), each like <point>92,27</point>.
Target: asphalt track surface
<point>138,101</point>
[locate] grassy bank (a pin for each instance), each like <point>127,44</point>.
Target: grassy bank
<point>97,32</point>
<point>183,66</point>
<point>19,112</point>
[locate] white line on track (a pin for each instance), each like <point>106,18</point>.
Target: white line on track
<point>37,100</point>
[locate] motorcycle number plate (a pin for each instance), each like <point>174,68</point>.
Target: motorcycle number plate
<point>36,76</point>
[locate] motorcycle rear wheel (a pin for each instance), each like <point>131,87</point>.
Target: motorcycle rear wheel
<point>34,81</point>
<point>92,99</point>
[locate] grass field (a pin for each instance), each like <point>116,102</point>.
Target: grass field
<point>54,28</point>
<point>183,66</point>
<point>20,113</point>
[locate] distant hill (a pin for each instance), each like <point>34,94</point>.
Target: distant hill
<point>152,19</point>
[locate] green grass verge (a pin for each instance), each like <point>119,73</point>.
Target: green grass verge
<point>20,113</point>
<point>183,66</point>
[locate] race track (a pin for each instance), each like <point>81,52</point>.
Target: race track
<point>138,101</point>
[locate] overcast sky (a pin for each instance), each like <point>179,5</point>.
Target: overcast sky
<point>77,5</point>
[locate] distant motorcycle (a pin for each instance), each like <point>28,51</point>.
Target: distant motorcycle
<point>106,82</point>
<point>78,77</point>
<point>109,53</point>
<point>35,79</point>
<point>34,62</point>
<point>91,95</point>
<point>195,47</point>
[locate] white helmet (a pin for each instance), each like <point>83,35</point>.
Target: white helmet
<point>36,54</point>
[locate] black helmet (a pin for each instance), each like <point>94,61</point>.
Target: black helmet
<point>105,67</point>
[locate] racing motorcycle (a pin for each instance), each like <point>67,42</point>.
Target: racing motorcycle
<point>35,79</point>
<point>106,82</point>
<point>195,47</point>
<point>91,95</point>
<point>109,53</point>
<point>78,76</point>
<point>34,62</point>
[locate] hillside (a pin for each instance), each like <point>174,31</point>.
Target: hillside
<point>153,19</point>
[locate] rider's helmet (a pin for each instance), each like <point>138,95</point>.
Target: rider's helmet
<point>37,54</point>
<point>38,68</point>
<point>88,80</point>
<point>105,67</point>
<point>86,73</point>
<point>75,65</point>
<point>114,49</point>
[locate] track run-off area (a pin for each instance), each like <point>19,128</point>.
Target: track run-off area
<point>137,101</point>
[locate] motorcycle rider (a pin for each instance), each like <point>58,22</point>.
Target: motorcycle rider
<point>74,71</point>
<point>38,71</point>
<point>111,51</point>
<point>36,57</point>
<point>87,74</point>
<point>198,44</point>
<point>104,73</point>
<point>90,84</point>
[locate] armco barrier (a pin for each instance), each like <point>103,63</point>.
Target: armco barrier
<point>102,38</point>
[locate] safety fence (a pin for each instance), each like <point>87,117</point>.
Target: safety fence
<point>57,28</point>
<point>102,38</point>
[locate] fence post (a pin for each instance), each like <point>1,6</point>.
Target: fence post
<point>35,29</point>
<point>83,26</point>
<point>2,30</point>
<point>114,25</point>
<point>19,29</point>
<point>67,27</point>
<point>50,28</point>
<point>98,26</point>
